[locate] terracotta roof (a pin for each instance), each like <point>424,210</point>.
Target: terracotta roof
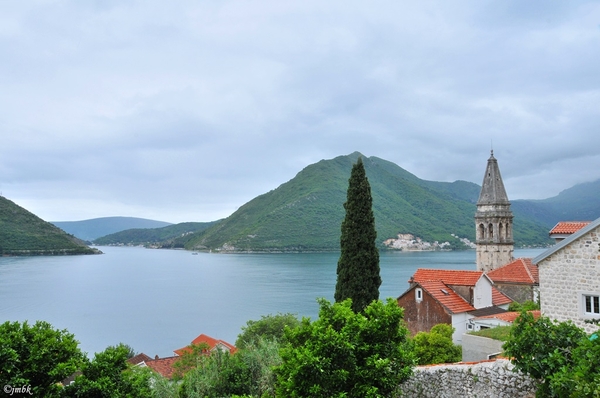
<point>446,296</point>
<point>211,342</point>
<point>510,316</point>
<point>568,227</point>
<point>449,277</point>
<point>567,241</point>
<point>499,298</point>
<point>163,366</point>
<point>139,358</point>
<point>520,270</point>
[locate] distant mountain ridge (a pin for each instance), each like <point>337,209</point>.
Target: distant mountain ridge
<point>89,230</point>
<point>305,213</point>
<point>22,233</point>
<point>172,236</point>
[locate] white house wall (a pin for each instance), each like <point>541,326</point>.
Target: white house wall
<point>482,293</point>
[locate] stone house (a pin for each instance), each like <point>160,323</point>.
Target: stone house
<point>569,275</point>
<point>518,279</point>
<point>448,296</point>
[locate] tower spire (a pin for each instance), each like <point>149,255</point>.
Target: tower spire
<point>493,221</point>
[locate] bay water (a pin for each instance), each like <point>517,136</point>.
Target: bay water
<point>157,301</point>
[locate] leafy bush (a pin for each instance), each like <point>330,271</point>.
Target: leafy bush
<point>346,354</point>
<point>109,374</point>
<point>436,346</point>
<point>542,348</point>
<point>269,327</point>
<point>524,306</point>
<point>38,356</point>
<point>248,372</point>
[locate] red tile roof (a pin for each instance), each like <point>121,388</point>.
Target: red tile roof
<point>510,316</point>
<point>446,296</point>
<point>449,277</point>
<point>568,227</point>
<point>211,342</point>
<point>499,298</point>
<point>139,358</point>
<point>163,366</point>
<point>520,270</point>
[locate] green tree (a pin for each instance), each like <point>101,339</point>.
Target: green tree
<point>270,327</point>
<point>38,356</point>
<point>109,375</point>
<point>190,359</point>
<point>346,354</point>
<point>248,372</point>
<point>582,379</point>
<point>436,346</point>
<point>524,306</point>
<point>358,267</point>
<point>542,347</point>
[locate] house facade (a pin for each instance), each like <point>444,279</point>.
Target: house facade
<point>448,296</point>
<point>518,279</point>
<point>569,274</point>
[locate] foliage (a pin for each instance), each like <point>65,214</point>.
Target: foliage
<point>346,354</point>
<point>269,327</point>
<point>247,373</point>
<point>191,359</point>
<point>23,233</point>
<point>109,375</point>
<point>436,346</point>
<point>500,333</point>
<point>542,347</point>
<point>582,378</point>
<point>528,305</point>
<point>38,355</point>
<point>358,267</point>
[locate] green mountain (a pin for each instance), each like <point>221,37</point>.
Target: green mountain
<point>172,236</point>
<point>24,234</point>
<point>306,212</point>
<point>579,203</point>
<point>89,230</point>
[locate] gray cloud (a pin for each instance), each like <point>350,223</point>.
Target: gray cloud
<point>185,111</point>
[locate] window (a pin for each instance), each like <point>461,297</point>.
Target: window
<point>591,305</point>
<point>469,326</point>
<point>419,294</point>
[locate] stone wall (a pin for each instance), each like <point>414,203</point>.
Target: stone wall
<point>568,274</point>
<point>494,378</point>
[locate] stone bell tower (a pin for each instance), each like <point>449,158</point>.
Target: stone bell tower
<point>493,221</point>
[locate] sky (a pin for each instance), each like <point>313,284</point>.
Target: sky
<point>185,110</point>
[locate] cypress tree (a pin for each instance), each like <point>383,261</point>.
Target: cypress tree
<point>358,267</point>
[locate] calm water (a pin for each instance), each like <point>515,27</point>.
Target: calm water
<point>159,300</point>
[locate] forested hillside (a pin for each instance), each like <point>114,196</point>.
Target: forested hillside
<point>23,233</point>
<point>305,213</point>
<point>172,236</point>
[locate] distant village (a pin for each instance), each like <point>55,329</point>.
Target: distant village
<point>408,242</point>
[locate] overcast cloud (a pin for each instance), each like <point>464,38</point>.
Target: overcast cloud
<point>185,110</point>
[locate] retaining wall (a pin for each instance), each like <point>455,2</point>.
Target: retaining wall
<point>494,378</point>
